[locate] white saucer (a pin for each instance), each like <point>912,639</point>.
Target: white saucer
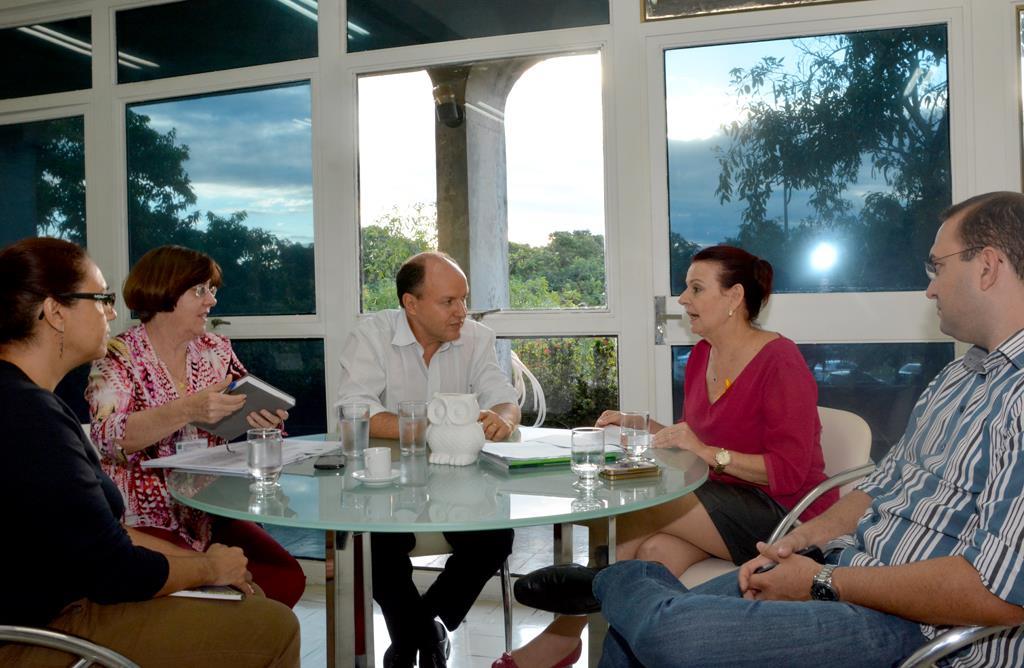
<point>362,476</point>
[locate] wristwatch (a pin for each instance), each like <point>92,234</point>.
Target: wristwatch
<point>821,585</point>
<point>722,459</point>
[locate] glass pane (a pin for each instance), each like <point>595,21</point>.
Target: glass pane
<point>297,367</point>
<point>670,9</point>
<point>532,129</point>
<point>43,58</point>
<point>230,175</point>
<point>42,177</point>
<point>381,24</point>
<point>194,36</point>
<point>828,156</point>
<point>579,377</point>
<point>878,381</point>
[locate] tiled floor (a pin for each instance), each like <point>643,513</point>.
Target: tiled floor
<point>480,639</point>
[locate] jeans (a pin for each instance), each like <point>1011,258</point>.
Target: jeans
<point>655,621</point>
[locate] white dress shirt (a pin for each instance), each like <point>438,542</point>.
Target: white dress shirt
<point>382,365</point>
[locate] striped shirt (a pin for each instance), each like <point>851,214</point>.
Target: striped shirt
<point>954,485</point>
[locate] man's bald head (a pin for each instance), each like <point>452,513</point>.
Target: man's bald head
<point>413,272</point>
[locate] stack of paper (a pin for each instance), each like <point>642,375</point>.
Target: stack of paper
<point>221,461</point>
<point>549,449</point>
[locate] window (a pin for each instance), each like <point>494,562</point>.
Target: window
<point>45,58</point>
<point>578,375</point>
<point>178,38</point>
<point>533,201</point>
<point>42,176</point>
<point>297,367</point>
<point>381,24</point>
<point>880,382</point>
<point>827,156</point>
<point>230,175</point>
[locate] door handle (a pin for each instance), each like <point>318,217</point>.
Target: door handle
<point>661,316</point>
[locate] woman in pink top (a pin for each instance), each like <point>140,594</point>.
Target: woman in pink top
<point>750,411</point>
<point>157,379</point>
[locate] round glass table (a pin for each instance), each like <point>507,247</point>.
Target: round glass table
<point>425,498</point>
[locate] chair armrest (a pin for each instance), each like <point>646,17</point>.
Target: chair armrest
<point>838,480</point>
<point>90,652</point>
<point>948,642</point>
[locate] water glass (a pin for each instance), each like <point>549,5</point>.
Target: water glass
<point>587,455</point>
<point>634,436</point>
<point>412,427</point>
<point>264,457</point>
<point>354,425</point>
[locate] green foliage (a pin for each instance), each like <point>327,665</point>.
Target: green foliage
<point>580,377</point>
<point>876,98</point>
<point>572,266</point>
<point>390,241</point>
<point>61,179</point>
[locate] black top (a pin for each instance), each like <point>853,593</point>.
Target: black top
<point>63,538</point>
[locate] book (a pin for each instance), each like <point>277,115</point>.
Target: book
<point>259,395</point>
<point>531,454</point>
<point>222,592</point>
<point>219,460</point>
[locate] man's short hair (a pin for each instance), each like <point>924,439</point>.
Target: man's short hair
<point>411,273</point>
<point>994,219</point>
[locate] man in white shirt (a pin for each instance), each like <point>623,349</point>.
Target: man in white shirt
<point>411,353</point>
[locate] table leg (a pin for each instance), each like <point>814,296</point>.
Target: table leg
<point>340,572</point>
<point>597,625</point>
<point>562,534</point>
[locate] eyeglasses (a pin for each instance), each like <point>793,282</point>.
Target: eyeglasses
<point>931,268</point>
<point>106,298</point>
<point>204,289</point>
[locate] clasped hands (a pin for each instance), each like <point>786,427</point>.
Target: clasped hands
<point>212,405</point>
<point>789,580</point>
<point>496,428</point>
<point>228,567</point>
<point>678,435</point>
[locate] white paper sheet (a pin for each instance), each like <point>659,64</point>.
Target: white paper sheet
<point>219,461</point>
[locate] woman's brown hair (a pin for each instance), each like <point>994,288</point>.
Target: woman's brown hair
<point>30,271</point>
<point>162,276</point>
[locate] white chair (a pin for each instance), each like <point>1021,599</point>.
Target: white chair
<point>521,374</point>
<point>429,544</point>
<point>89,653</point>
<point>846,446</point>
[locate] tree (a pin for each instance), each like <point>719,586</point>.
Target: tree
<point>875,98</point>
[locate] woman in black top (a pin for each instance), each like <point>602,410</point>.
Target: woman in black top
<point>69,563</point>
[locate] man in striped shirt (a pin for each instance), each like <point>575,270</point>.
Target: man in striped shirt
<point>934,537</point>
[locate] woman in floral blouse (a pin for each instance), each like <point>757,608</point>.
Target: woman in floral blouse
<point>157,379</point>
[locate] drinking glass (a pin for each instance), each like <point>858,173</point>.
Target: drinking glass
<point>354,425</point>
<point>264,457</point>
<point>587,455</point>
<point>633,434</point>
<point>412,427</point>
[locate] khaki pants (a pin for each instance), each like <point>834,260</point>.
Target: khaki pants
<point>172,631</point>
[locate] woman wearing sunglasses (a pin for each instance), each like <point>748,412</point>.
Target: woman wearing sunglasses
<point>156,380</point>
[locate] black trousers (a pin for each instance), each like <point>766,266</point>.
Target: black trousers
<point>476,557</point>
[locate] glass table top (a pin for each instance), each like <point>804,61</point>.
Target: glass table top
<point>434,497</point>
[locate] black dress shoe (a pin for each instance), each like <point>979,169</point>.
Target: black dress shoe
<point>566,589</point>
<point>399,658</point>
<point>436,655</point>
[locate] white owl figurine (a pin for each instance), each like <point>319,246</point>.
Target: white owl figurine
<point>454,435</point>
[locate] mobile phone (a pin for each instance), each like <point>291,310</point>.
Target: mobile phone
<point>812,551</point>
<point>332,461</point>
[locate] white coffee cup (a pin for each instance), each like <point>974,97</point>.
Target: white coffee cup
<point>378,462</point>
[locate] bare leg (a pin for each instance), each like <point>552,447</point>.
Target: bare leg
<point>558,640</point>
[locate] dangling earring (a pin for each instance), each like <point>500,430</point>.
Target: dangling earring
<point>60,334</point>
<point>730,313</point>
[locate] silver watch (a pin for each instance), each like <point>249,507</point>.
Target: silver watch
<point>821,586</point>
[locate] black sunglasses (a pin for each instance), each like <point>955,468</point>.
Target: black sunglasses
<point>106,298</point>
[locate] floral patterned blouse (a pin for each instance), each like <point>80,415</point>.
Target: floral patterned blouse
<point>132,378</point>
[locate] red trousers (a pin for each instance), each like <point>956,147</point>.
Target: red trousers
<point>272,568</point>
